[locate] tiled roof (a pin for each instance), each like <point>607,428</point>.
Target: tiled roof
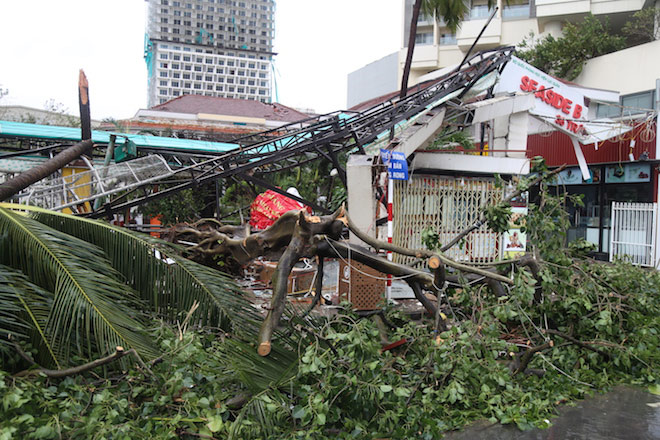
<point>194,104</point>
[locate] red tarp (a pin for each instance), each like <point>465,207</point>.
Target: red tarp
<point>270,206</point>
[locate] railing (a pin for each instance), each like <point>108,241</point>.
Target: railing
<point>633,234</point>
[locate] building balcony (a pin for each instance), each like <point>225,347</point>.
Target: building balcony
<point>554,8</point>
<point>470,29</point>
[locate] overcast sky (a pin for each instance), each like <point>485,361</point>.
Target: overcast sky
<point>43,43</point>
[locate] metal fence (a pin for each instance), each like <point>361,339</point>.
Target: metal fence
<point>448,205</point>
<point>86,186</point>
<point>633,232</point>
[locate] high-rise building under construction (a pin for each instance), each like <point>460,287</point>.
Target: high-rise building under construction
<point>209,47</point>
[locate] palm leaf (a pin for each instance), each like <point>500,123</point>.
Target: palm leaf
<point>24,313</point>
<point>92,311</point>
<point>164,279</point>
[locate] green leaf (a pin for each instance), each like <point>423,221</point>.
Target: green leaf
<point>92,312</point>
<point>402,392</point>
<point>215,423</point>
<point>169,283</point>
<point>655,389</point>
<point>299,412</point>
<point>386,388</point>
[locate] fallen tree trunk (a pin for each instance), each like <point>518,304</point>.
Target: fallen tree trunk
<point>300,246</point>
<point>33,175</point>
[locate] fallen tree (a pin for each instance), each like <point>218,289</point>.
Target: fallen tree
<point>564,327</point>
<point>300,235</point>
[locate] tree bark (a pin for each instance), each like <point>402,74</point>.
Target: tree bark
<point>33,175</point>
<point>411,48</point>
<point>299,246</point>
<point>118,354</point>
<point>83,102</point>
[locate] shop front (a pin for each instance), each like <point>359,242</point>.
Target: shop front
<point>627,182</point>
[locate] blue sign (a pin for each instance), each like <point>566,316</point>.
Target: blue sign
<point>397,166</point>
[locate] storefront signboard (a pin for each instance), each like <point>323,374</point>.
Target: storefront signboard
<point>560,105</point>
<point>628,173</point>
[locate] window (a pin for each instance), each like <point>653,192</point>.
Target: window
<point>186,76</point>
<point>637,103</point>
<point>175,93</point>
<point>175,83</point>
<point>163,91</point>
<point>197,86</point>
<point>186,58</point>
<point>163,83</point>
<point>175,66</point>
<point>198,77</point>
<point>629,105</point>
<point>424,38</point>
<point>516,9</point>
<point>447,39</point>
<point>176,75</point>
<point>479,10</point>
<point>176,57</point>
<point>198,68</point>
<point>163,74</point>
<point>208,78</point>
<point>187,85</point>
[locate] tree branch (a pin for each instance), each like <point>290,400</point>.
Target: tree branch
<point>482,219</point>
<point>118,354</point>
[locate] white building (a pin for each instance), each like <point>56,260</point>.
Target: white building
<point>220,48</point>
<point>437,47</point>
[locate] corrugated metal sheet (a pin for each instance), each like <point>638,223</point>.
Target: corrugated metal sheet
<point>557,148</point>
<point>19,129</point>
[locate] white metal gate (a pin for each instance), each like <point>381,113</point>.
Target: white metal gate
<point>448,205</point>
<point>633,233</point>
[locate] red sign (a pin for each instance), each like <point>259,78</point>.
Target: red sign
<point>270,206</point>
<point>556,100</point>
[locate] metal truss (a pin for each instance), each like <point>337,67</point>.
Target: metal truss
<point>323,137</point>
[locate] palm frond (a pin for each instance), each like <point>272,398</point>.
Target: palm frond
<point>92,311</point>
<point>24,313</point>
<point>164,279</point>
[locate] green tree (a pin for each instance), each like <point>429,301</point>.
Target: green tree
<point>644,26</point>
<point>565,56</point>
<point>74,287</point>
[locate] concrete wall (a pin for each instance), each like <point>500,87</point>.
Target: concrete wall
<point>627,71</point>
<point>374,79</point>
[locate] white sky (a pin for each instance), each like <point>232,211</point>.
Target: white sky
<point>43,43</point>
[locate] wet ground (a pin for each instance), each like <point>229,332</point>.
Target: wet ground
<point>622,414</point>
